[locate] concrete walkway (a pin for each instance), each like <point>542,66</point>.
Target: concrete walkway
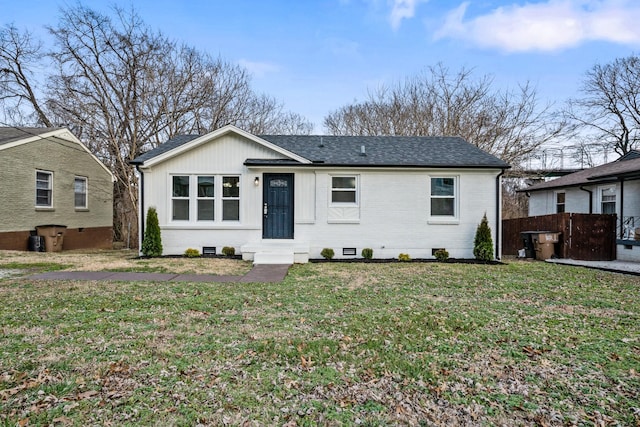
<point>625,267</point>
<point>263,273</point>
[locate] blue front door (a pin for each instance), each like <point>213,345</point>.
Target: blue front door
<point>277,206</point>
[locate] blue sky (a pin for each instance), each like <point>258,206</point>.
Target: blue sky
<point>318,55</point>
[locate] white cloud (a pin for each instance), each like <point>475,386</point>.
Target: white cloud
<point>550,25</point>
<point>258,69</point>
<point>402,9</point>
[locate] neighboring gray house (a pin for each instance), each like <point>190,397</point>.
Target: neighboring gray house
<point>47,177</point>
<point>282,199</point>
<point>612,188</point>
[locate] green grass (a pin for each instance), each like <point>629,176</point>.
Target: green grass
<point>376,344</point>
<point>34,266</point>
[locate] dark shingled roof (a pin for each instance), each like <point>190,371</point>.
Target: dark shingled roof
<point>12,134</point>
<point>379,151</point>
<point>174,142</point>
<point>629,166</point>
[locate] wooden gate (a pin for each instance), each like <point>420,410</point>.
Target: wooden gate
<point>589,237</point>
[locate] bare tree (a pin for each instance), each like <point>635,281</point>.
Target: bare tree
<point>124,88</point>
<point>610,105</point>
<point>508,124</point>
<point>19,53</point>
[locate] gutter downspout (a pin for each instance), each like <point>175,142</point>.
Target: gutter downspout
<point>498,210</point>
<point>141,209</point>
<point>621,206</point>
<point>590,198</point>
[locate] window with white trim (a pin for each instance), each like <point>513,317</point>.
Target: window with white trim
<point>608,200</point>
<point>44,189</point>
<point>230,198</point>
<point>560,201</point>
<point>80,192</point>
<point>206,198</point>
<point>443,197</point>
<point>344,189</point>
<point>180,198</point>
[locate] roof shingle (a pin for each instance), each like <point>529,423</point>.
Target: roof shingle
<point>618,168</point>
<point>12,134</point>
<point>389,151</point>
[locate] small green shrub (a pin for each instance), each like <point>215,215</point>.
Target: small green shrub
<point>152,241</point>
<point>228,251</point>
<point>192,253</point>
<point>483,243</point>
<point>404,257</point>
<point>441,255</point>
<point>328,253</point>
<point>367,253</point>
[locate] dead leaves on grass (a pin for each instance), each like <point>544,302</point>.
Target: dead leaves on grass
<point>27,396</point>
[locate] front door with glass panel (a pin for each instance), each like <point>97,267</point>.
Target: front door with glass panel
<point>277,206</point>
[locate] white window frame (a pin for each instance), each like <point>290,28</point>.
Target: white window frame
<point>564,203</point>
<point>85,193</point>
<point>193,198</point>
<point>355,190</point>
<point>601,190</point>
<point>230,198</point>
<point>205,198</point>
<point>174,198</point>
<point>445,219</point>
<point>49,189</point>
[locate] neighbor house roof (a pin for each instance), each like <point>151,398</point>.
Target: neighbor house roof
<point>628,166</point>
<point>13,134</point>
<point>374,151</point>
<point>16,136</point>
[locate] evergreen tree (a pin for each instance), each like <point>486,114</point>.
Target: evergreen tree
<point>483,243</point>
<point>152,242</point>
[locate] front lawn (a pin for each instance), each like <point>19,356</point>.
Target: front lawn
<point>526,343</point>
<point>119,260</point>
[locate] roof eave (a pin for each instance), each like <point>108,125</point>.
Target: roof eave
<point>213,135</point>
<point>62,133</point>
<point>318,164</point>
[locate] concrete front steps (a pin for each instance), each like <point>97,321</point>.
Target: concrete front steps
<point>275,252</point>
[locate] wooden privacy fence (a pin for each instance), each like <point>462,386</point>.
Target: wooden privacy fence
<point>589,237</point>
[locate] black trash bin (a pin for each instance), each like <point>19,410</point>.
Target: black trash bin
<point>36,243</point>
<point>527,241</point>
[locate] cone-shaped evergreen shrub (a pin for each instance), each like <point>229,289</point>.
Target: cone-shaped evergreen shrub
<point>152,242</point>
<point>483,243</point>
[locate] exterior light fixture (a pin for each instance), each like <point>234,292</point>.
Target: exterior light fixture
<point>256,181</point>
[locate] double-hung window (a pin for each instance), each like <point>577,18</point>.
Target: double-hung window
<point>344,190</point>
<point>560,201</point>
<point>80,192</point>
<point>230,198</point>
<point>443,197</point>
<point>44,189</point>
<point>180,198</point>
<point>206,199</point>
<point>608,200</point>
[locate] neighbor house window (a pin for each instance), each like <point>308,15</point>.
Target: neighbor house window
<point>560,197</point>
<point>443,196</point>
<point>206,201</point>
<point>180,198</point>
<point>344,189</point>
<point>230,198</point>
<point>80,192</point>
<point>608,200</point>
<point>44,192</point>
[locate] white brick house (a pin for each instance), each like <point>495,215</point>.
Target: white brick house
<point>285,198</point>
